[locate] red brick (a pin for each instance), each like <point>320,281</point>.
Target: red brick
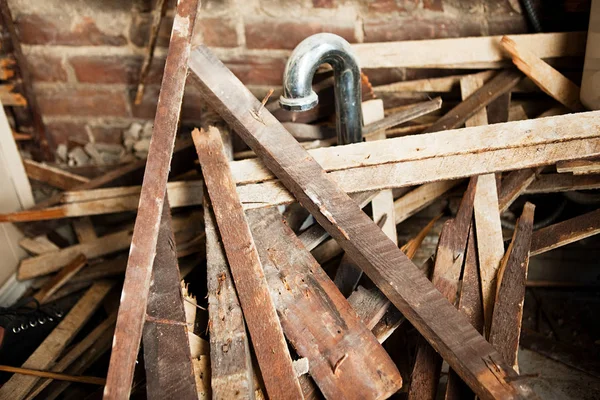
<point>78,101</point>
<point>258,70</point>
<point>46,68</point>
<point>324,3</point>
<point>508,24</point>
<point>106,69</point>
<point>270,34</point>
<point>418,29</point>
<point>218,32</point>
<point>61,131</point>
<point>59,30</point>
<point>139,31</point>
<point>387,6</point>
<point>108,132</point>
<point>433,5</point>
<point>191,109</point>
<point>147,108</point>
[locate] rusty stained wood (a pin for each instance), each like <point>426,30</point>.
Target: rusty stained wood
<point>476,101</point>
<point>134,297</point>
<point>510,295</point>
<point>552,183</point>
<point>514,185</point>
<point>446,276</point>
<point>344,358</point>
<point>167,357</point>
<point>547,78</point>
<point>401,281</point>
<point>259,311</point>
<point>565,232</point>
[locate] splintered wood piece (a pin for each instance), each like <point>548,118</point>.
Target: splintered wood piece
<point>134,297</point>
<point>77,351</point>
<point>578,167</point>
<point>470,303</point>
<point>514,185</point>
<point>552,183</point>
<point>18,386</point>
<point>476,101</point>
<point>167,358</point>
<point>246,269</point>
<point>510,296</point>
<point>344,358</point>
<point>565,232</point>
<point>446,276</point>
<point>483,52</point>
<point>231,364</point>
<point>488,230</point>
<point>53,176</point>
<point>62,277</point>
<point>547,78</point>
<point>399,279</point>
<point>84,229</point>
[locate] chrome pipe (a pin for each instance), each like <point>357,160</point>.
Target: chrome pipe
<point>298,95</point>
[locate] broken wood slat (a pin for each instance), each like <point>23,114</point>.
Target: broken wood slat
<point>231,372</point>
<point>510,296</point>
<point>344,358</point>
<point>399,279</point>
<point>446,276</point>
<point>76,351</point>
<point>246,269</point>
<point>231,365</point>
<point>167,358</point>
<point>579,167</point>
<point>84,230</point>
<point>565,232</point>
<point>488,230</point>
<point>476,101</point>
<point>370,305</point>
<point>134,298</point>
<point>18,386</point>
<point>419,198</point>
<point>499,110</point>
<point>552,183</point>
<point>63,276</point>
<point>484,52</point>
<point>400,117</point>
<point>53,176</point>
<point>53,375</point>
<point>470,303</point>
<point>436,85</point>
<point>514,185</point>
<point>547,78</point>
<point>38,245</point>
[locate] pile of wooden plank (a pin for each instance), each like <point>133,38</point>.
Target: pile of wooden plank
<point>274,239</point>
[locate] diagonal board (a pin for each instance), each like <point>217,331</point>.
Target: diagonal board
<point>246,269</point>
<point>344,358</point>
<point>134,297</point>
<point>168,361</point>
<point>448,331</point>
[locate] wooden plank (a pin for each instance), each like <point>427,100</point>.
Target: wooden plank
<point>344,358</point>
<point>53,261</point>
<point>447,330</point>
<point>473,52</point>
<point>134,297</point>
<point>53,375</point>
<point>476,100</point>
<point>449,261</point>
<point>565,232</point>
<point>84,230</point>
<point>578,167</point>
<point>547,78</point>
<point>38,245</point>
<point>53,176</point>
<point>488,230</point>
<point>231,372</point>
<point>18,386</point>
<point>76,351</point>
<point>514,185</point>
<point>246,269</point>
<point>373,127</point>
<point>419,198</point>
<point>552,183</point>
<point>62,277</point>
<point>167,358</point>
<point>510,296</point>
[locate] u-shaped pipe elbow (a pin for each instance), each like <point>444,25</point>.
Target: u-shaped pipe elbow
<point>299,72</point>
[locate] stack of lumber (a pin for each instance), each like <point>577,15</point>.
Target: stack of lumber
<point>281,270</point>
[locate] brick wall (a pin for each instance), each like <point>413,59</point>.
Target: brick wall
<point>85,54</point>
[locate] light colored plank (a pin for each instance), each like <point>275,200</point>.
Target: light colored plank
<point>474,52</point>
<point>62,277</point>
<point>18,386</point>
<point>578,167</point>
<point>525,57</point>
<point>419,198</point>
<point>84,229</point>
<point>53,176</point>
<point>38,245</point>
